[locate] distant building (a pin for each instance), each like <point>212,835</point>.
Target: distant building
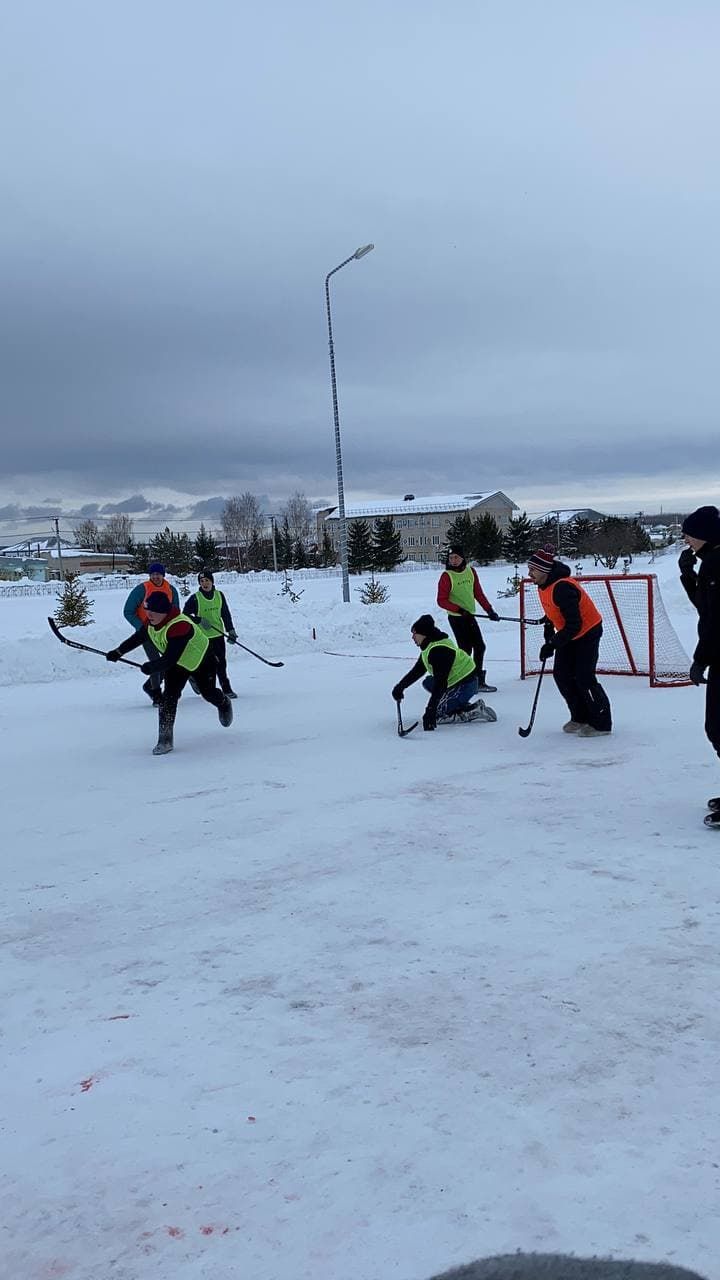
<point>423,522</point>
<point>565,516</point>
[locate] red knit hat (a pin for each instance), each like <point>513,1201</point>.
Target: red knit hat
<point>543,559</point>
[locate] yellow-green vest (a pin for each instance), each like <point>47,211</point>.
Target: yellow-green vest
<point>462,589</point>
<point>463,664</point>
<point>195,649</point>
<point>211,610</point>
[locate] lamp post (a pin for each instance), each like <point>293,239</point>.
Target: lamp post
<point>359,253</point>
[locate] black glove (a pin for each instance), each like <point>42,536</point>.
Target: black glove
<point>147,668</point>
<point>398,693</point>
<point>113,655</point>
<point>493,616</point>
<point>546,651</point>
<point>429,719</point>
<point>686,562</point>
<point>697,672</point>
<point>232,637</point>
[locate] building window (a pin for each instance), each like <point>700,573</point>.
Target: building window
<point>435,523</point>
<point>411,543</point>
<point>436,540</point>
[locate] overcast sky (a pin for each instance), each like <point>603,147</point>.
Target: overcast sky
<point>540,313</point>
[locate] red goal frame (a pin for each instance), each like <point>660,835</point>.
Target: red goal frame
<point>671,680</point>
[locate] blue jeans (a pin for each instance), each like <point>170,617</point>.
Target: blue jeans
<point>456,698</point>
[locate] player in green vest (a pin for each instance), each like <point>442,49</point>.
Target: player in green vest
<point>450,677</point>
<point>209,608</point>
<point>458,592</point>
<point>184,652</point>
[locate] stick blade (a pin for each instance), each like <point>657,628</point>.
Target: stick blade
<point>525,733</point>
<point>403,733</point>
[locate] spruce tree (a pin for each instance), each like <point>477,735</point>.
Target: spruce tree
<point>373,592</point>
<point>141,558</point>
<point>519,540</point>
<point>327,553</point>
<point>74,608</point>
<point>486,541</point>
<point>360,548</point>
<point>206,549</point>
<point>284,546</point>
<point>386,544</point>
<point>300,557</point>
<point>461,532</point>
<point>174,550</point>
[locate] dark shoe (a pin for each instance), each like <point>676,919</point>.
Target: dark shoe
<point>229,693</point>
<point>157,699</point>
<point>483,687</point>
<point>587,731</point>
<point>714,803</point>
<point>713,819</point>
<point>225,713</point>
<point>164,746</point>
<point>150,690</point>
<point>194,686</point>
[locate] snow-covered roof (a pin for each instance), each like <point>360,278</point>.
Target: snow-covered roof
<point>35,544</point>
<point>419,506</point>
<point>565,516</point>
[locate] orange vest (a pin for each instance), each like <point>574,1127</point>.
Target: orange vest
<point>149,588</point>
<point>589,613</point>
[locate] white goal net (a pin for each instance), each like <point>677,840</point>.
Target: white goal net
<point>638,637</point>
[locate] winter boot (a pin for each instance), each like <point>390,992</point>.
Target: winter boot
<point>714,803</point>
<point>165,733</point>
<point>712,819</point>
<point>587,731</point>
<point>225,713</point>
<point>573,726</point>
<point>194,686</point>
<point>148,689</point>
<point>229,693</point>
<point>483,687</point>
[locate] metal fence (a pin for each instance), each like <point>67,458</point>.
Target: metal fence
<point>224,578</point>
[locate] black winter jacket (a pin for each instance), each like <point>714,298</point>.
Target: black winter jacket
<point>703,589</point>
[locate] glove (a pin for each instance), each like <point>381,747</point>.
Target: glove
<point>206,624</point>
<point>493,616</point>
<point>398,693</point>
<point>686,562</point>
<point>113,655</point>
<point>232,637</point>
<point>546,650</point>
<point>697,671</point>
<point>147,668</point>
<point>429,719</point>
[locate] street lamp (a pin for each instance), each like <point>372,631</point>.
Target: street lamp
<point>359,253</point>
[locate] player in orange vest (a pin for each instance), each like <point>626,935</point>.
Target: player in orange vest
<point>573,627</point>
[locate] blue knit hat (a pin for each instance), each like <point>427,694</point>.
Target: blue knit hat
<point>156,567</point>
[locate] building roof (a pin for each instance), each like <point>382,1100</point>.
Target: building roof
<point>36,544</point>
<point>419,506</point>
<point>585,513</point>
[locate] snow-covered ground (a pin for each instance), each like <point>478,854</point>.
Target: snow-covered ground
<point>303,1001</point>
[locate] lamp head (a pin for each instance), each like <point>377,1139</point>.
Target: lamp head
<point>365,248</point>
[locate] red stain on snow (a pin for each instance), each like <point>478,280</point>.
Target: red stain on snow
<point>207,1231</point>
<point>86,1085</point>
<point>175,1232</point>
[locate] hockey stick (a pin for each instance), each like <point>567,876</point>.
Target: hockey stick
<point>75,644</point>
<point>225,636</point>
<point>526,622</point>
<point>403,733</point>
<point>525,733</point>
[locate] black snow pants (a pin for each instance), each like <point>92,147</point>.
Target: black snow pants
<point>712,708</point>
<point>574,674</point>
<point>176,679</point>
<point>469,637</point>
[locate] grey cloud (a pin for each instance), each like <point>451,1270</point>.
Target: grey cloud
<point>128,505</point>
<point>210,508</point>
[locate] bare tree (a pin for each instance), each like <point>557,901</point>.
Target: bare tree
<point>86,535</point>
<point>241,521</point>
<point>117,534</point>
<point>299,515</point>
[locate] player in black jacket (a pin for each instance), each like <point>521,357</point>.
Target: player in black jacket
<point>701,531</point>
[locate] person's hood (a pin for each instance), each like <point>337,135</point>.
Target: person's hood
<point>558,571</point>
<point>436,634</point>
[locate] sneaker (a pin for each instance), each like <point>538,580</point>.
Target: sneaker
<point>573,726</point>
<point>714,803</point>
<point>587,731</point>
<point>229,693</point>
<point>713,819</point>
<point>164,746</point>
<point>156,698</point>
<point>225,713</point>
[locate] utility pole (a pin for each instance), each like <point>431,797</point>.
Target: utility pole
<point>272,527</point>
<point>59,551</point>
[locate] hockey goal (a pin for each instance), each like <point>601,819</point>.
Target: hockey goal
<point>638,638</point>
